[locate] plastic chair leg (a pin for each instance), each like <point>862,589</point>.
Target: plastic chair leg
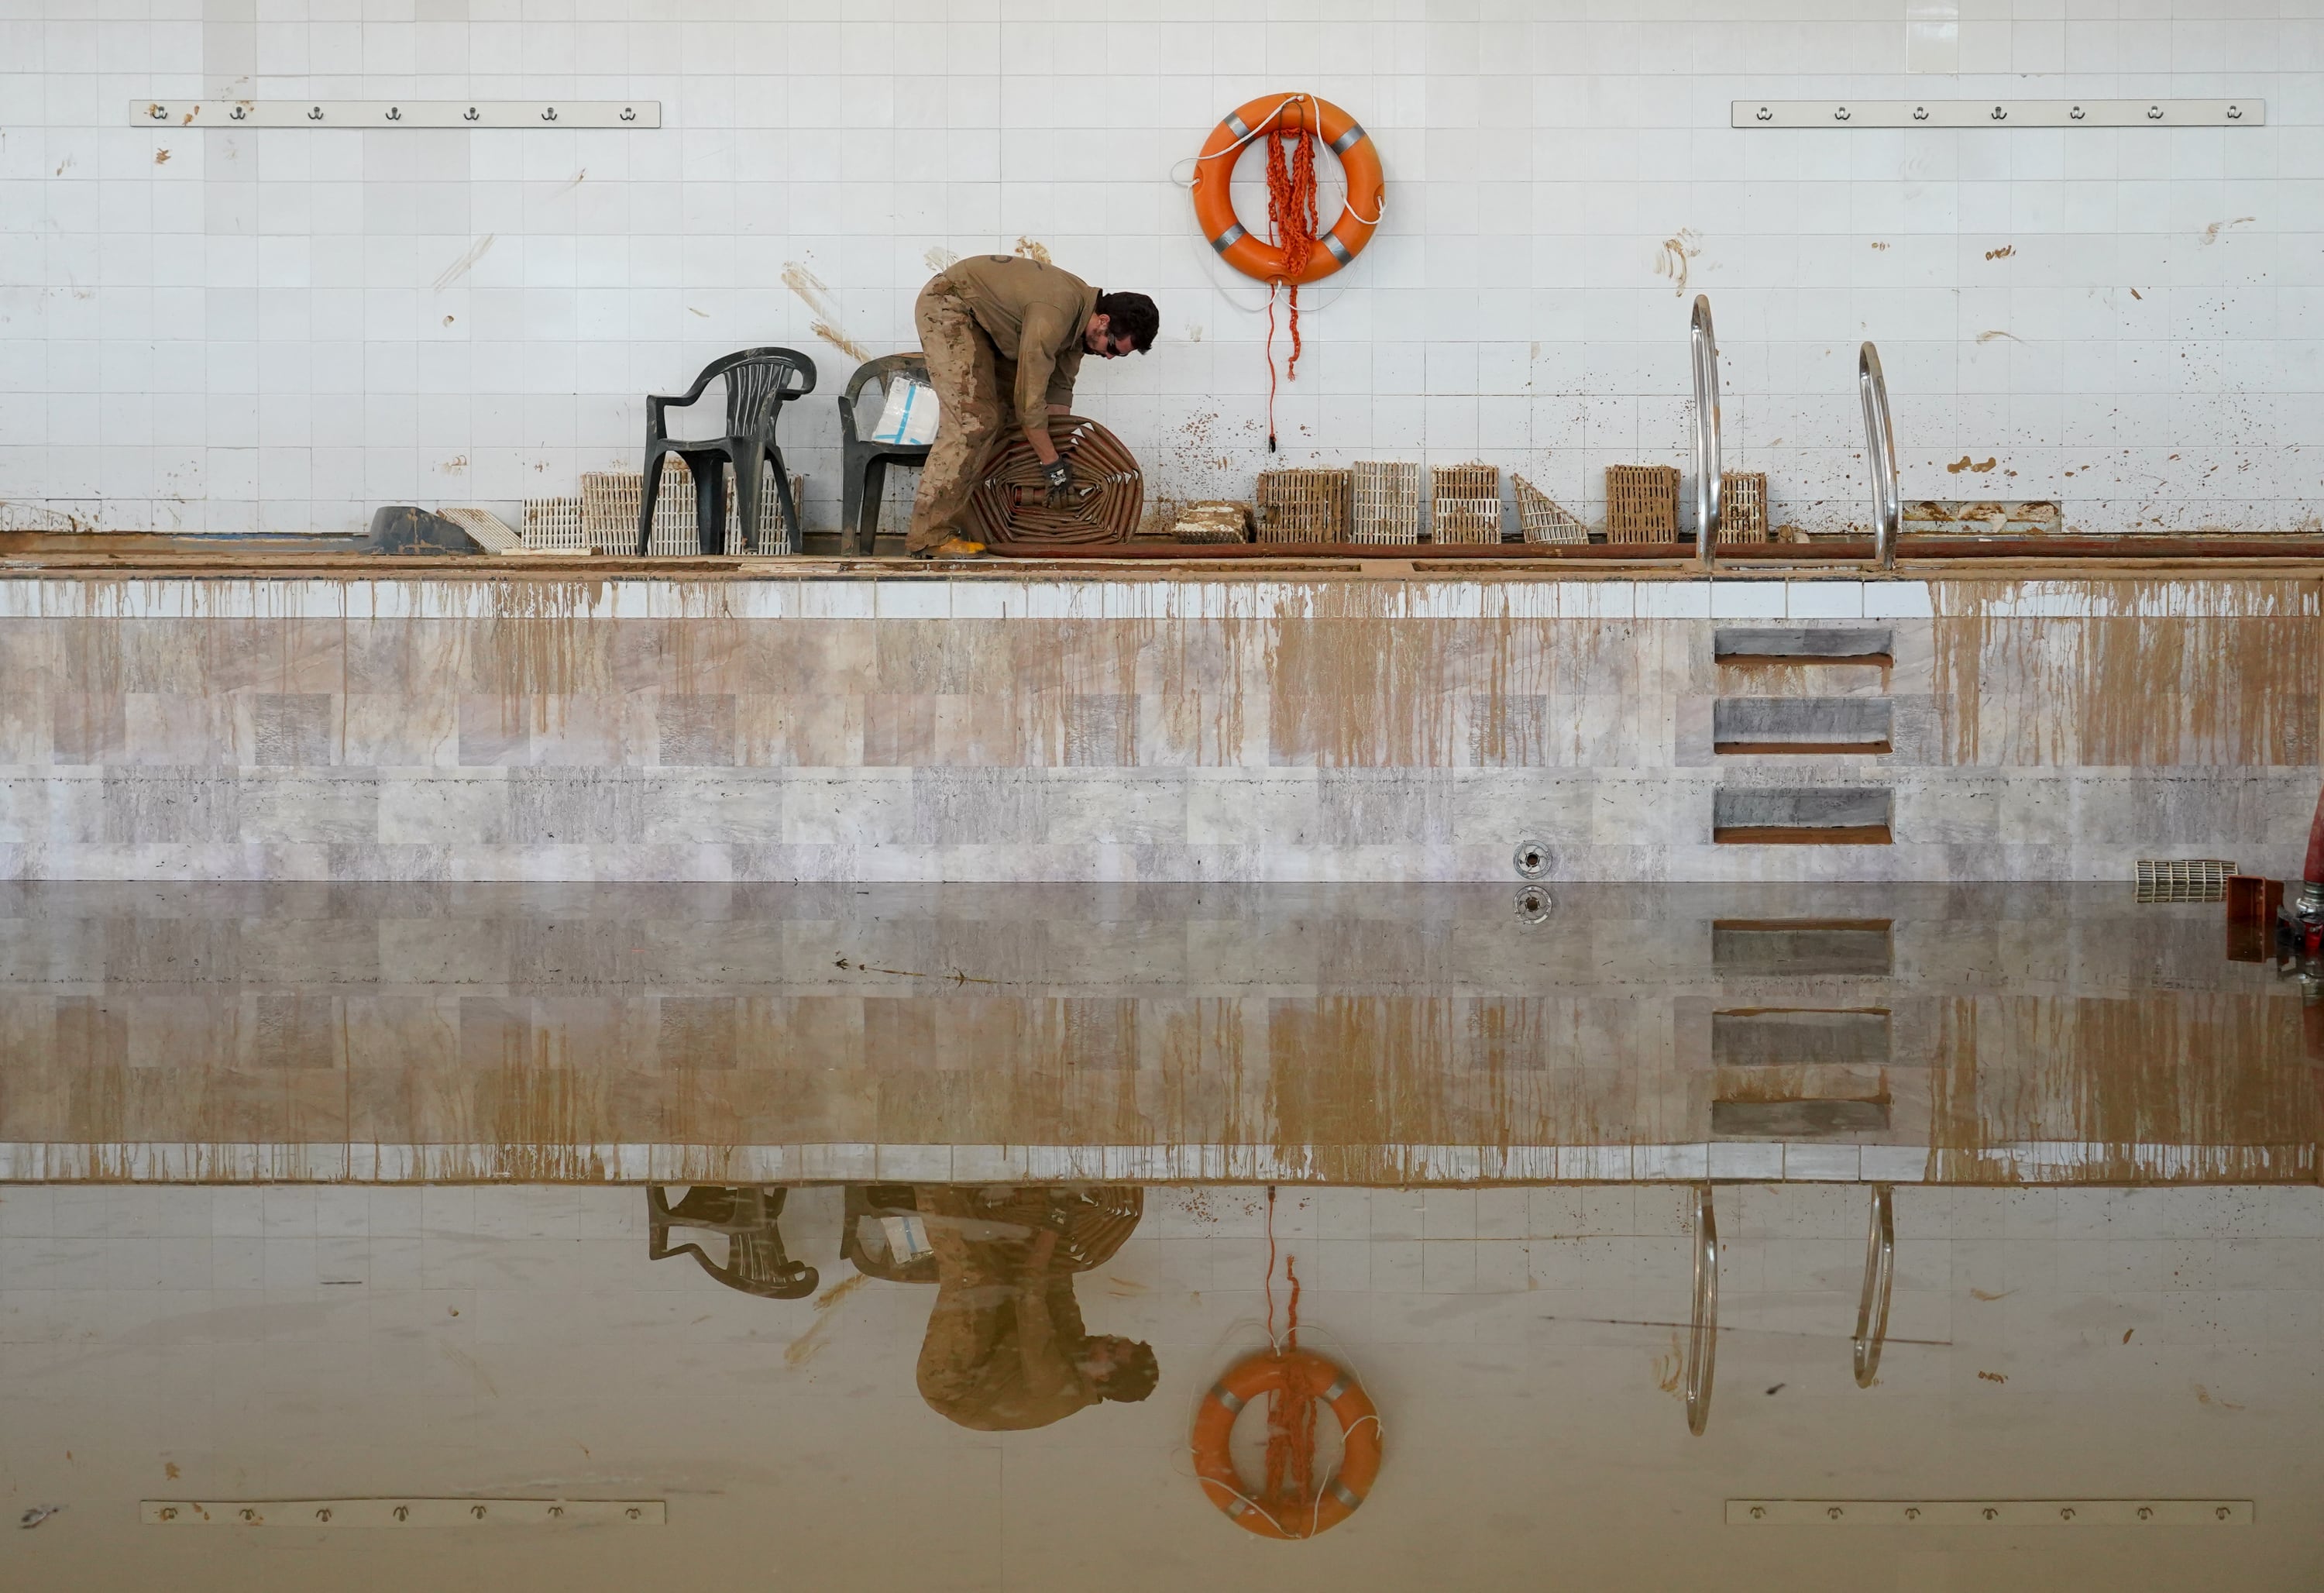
<point>874,490</point>
<point>646,501</point>
<point>793,538</point>
<point>710,502</point>
<point>746,502</point>
<point>853,471</point>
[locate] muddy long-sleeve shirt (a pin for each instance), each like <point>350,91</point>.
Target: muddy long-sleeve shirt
<point>1035,315</point>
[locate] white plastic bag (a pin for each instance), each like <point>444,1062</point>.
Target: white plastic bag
<point>910,420</point>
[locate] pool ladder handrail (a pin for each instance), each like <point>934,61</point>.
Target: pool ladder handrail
<point>1708,478</point>
<point>1880,455</point>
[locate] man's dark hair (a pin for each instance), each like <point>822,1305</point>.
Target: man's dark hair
<point>1130,315</point>
<point>1134,1375</point>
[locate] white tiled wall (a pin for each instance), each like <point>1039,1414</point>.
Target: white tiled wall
<point>228,332</point>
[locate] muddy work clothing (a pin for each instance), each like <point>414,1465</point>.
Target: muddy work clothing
<point>1006,1332</point>
<point>1003,337</point>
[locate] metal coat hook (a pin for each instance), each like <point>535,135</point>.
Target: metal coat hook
<point>549,115</point>
<point>315,114</point>
<point>1703,1334</point>
<point>1879,1280</point>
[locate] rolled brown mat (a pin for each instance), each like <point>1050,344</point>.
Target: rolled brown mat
<point>1010,507</point>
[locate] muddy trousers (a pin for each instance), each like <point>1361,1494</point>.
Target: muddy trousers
<point>964,369</point>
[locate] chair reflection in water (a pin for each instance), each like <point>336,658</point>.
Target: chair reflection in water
<point>1006,1347</point>
<point>756,1262</point>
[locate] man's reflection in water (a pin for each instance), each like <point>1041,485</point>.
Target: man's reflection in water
<point>1005,1347</point>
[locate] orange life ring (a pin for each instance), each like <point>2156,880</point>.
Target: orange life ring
<point>1358,215</point>
<point>1359,1439</point>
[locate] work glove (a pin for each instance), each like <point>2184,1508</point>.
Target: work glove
<point>1060,478</point>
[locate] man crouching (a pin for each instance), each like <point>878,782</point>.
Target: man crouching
<point>1004,337</point>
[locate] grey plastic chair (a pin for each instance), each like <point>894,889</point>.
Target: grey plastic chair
<point>864,464</point>
<point>756,1262</point>
<point>758,383</point>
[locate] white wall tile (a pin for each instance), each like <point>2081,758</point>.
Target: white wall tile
<point>1521,303</point>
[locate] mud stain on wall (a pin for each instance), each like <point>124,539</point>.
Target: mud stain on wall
<point>812,292</point>
<point>466,263</point>
<point>2157,675</point>
<point>2191,1087</point>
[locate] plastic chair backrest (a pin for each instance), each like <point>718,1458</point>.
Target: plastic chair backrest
<point>757,384</point>
<point>884,370</point>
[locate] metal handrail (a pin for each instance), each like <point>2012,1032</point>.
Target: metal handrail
<point>1879,1280</point>
<point>1703,1335</point>
<point>1880,456</point>
<point>1709,478</point>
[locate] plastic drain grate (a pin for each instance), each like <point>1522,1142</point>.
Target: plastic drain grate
<point>2189,879</point>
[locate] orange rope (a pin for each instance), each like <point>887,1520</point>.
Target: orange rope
<point>1291,224</point>
<point>1291,1409</point>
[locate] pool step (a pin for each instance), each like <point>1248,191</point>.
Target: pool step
<point>1761,947</point>
<point>1815,816</point>
<point>1813,725</point>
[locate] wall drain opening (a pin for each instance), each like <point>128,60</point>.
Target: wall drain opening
<point>1750,645</point>
<point>1828,815</point>
<point>1531,859</point>
<point>1745,947</point>
<point>1813,725</point>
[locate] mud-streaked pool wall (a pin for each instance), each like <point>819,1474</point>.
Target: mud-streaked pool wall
<point>1315,726</point>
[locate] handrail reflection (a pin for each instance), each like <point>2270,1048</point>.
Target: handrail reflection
<point>1879,1280</point>
<point>1702,1335</point>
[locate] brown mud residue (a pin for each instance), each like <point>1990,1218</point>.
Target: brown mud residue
<point>466,263</point>
<point>1675,257</point>
<point>2182,1086</point>
<point>839,340</point>
<point>2154,673</point>
<point>543,1120</point>
<point>1670,1368</point>
<point>815,294</point>
<point>802,1349</point>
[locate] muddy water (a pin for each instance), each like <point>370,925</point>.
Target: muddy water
<point>914,1384</point>
<point>1350,1036</point>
